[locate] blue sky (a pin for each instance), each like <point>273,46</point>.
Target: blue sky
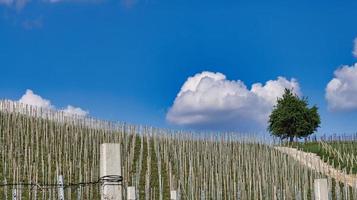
<point>127,60</point>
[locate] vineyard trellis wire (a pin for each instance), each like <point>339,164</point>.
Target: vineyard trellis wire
<point>105,180</point>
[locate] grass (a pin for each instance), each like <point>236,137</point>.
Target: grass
<point>333,153</point>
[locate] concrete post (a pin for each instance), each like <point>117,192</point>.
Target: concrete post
<point>79,193</point>
<point>321,189</point>
<point>14,194</point>
<point>110,164</point>
<point>131,193</point>
<point>173,195</point>
<point>61,187</point>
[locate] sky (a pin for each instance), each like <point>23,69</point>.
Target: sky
<point>188,64</point>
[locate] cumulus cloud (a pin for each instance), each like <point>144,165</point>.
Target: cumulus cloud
<point>70,110</point>
<point>341,91</point>
<point>209,100</point>
<point>33,99</point>
<point>355,48</point>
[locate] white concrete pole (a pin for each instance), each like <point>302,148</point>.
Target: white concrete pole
<point>110,164</point>
<point>14,194</point>
<point>173,195</point>
<point>131,193</point>
<point>321,189</point>
<point>60,188</point>
<point>79,192</point>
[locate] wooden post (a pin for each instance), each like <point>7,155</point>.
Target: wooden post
<point>321,189</point>
<point>131,193</point>
<point>173,195</point>
<point>110,164</point>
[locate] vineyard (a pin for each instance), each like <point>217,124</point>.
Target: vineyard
<point>340,152</point>
<point>37,145</point>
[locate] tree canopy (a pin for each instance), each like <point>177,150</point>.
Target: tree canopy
<point>291,117</point>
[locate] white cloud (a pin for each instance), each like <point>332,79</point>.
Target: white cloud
<point>70,110</point>
<point>209,100</point>
<point>33,99</point>
<point>341,91</point>
<point>355,48</point>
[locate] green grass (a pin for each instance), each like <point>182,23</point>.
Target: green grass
<point>343,147</point>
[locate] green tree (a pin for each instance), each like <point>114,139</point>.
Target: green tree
<point>291,117</point>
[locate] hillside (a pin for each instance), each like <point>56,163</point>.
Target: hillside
<point>338,152</point>
<point>35,148</point>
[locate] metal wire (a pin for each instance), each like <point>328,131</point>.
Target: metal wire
<point>104,180</point>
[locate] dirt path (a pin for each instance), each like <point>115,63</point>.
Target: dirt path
<point>314,162</point>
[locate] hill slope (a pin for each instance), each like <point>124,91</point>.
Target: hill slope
<point>35,148</point>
